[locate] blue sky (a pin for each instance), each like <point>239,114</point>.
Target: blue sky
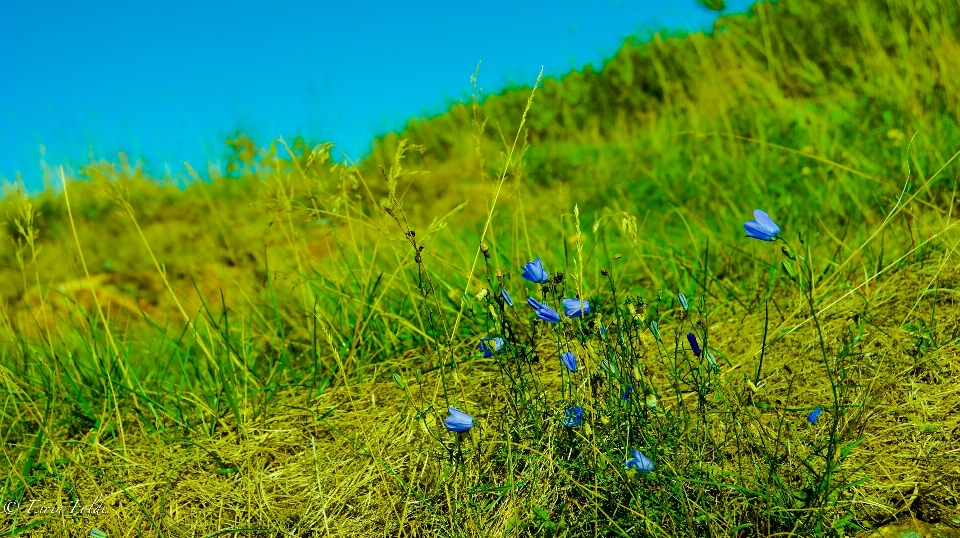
<point>167,82</point>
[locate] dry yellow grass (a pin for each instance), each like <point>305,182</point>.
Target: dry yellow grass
<point>341,476</point>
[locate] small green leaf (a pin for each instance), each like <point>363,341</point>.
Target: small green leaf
<point>846,449</point>
<point>788,268</point>
<point>655,329</point>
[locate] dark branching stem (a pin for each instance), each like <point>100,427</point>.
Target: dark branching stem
<point>425,285</point>
<point>824,491</point>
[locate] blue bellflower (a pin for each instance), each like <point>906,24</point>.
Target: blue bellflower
<point>692,338</point>
<point>506,297</point>
<point>569,360</point>
<point>640,462</point>
<point>534,271</point>
<point>574,417</point>
<point>763,227</point>
<point>488,349</point>
<point>543,311</point>
<point>458,421</point>
<point>626,393</point>
<point>574,308</point>
<point>814,415</point>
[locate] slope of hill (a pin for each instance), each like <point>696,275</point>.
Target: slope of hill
<point>275,349</point>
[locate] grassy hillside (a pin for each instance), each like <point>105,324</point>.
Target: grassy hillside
<point>274,351</point>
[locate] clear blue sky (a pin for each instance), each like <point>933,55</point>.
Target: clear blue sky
<point>168,81</point>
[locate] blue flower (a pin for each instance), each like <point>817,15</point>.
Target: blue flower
<point>640,462</point>
<point>543,311</point>
<point>534,271</point>
<point>692,338</point>
<point>576,307</point>
<point>762,228</point>
<point>812,417</point>
<point>506,296</point>
<point>683,301</point>
<point>626,393</point>
<point>489,350</point>
<point>574,417</point>
<point>458,421</point>
<point>569,360</point>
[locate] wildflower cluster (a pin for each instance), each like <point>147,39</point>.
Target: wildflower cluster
<point>601,350</point>
<point>547,307</point>
<point>569,324</point>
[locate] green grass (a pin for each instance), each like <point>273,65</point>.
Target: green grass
<point>273,352</point>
